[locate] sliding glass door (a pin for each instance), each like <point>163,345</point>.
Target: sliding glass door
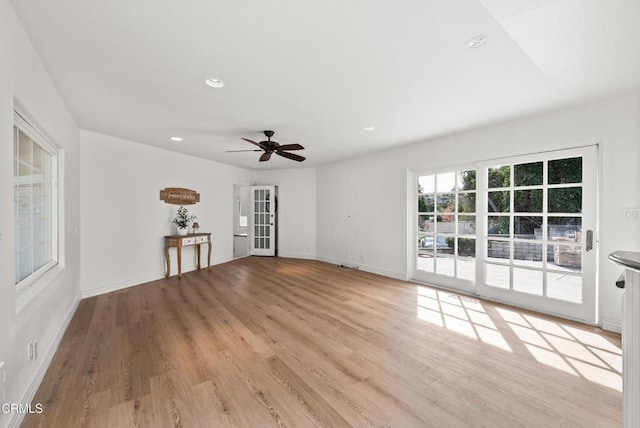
<point>532,227</point>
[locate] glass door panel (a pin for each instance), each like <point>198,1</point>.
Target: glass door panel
<point>262,237</point>
<point>536,209</point>
<point>446,229</point>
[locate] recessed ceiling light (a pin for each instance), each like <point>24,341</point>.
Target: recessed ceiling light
<point>477,41</point>
<point>176,138</point>
<point>214,83</point>
<point>368,128</point>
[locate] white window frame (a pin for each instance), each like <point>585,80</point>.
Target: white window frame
<point>28,129</point>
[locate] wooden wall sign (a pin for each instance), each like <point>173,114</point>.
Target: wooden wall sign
<point>179,196</point>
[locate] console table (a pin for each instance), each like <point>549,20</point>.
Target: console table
<point>630,337</point>
<point>180,241</point>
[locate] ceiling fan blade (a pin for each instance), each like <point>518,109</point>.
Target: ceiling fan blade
<point>265,156</point>
<point>236,151</point>
<point>253,142</point>
<point>290,156</point>
<point>291,147</point>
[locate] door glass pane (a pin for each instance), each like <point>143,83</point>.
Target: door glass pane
<point>498,202</point>
<point>467,203</point>
<point>499,176</point>
<point>528,174</point>
<point>563,171</point>
<point>446,182</point>
<point>527,201</point>
<point>446,202</point>
<point>444,263</point>
<point>426,203</point>
<point>426,223</point>
<point>466,258</point>
<point>565,227</point>
<point>426,184</point>
<point>426,252</point>
<point>527,227</point>
<point>564,287</point>
<point>498,226</point>
<point>527,281</point>
<point>446,223</point>
<point>565,200</point>
<point>527,254</point>
<point>424,261</point>
<point>498,250</point>
<point>566,257</point>
<point>497,276</point>
<point>466,225</point>
<point>467,180</point>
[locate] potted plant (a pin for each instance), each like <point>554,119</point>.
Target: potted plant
<point>182,220</point>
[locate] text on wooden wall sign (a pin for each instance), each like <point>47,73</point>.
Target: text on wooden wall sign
<point>179,196</point>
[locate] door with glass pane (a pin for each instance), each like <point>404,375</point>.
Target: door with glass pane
<point>446,229</point>
<point>262,238</point>
<point>537,225</point>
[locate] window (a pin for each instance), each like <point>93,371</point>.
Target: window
<point>35,203</point>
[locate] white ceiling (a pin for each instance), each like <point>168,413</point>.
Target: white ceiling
<point>318,72</point>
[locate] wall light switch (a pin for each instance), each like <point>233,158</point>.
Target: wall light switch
<point>631,214</point>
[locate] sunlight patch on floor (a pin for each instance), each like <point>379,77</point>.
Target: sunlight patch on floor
<point>562,346</point>
<point>567,348</point>
<point>459,314</point>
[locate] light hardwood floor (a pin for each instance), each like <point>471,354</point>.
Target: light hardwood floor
<point>283,342</point>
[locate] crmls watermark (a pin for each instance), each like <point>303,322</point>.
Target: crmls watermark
<point>21,408</point>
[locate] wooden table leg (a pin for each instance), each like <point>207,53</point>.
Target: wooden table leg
<point>166,257</point>
<point>198,255</point>
<point>209,256</point>
<point>179,261</point>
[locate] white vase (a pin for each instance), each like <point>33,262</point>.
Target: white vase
<point>183,232</point>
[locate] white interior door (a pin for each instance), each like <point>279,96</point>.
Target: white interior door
<point>262,237</point>
<point>537,224</point>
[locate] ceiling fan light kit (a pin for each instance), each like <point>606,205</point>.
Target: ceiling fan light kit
<point>270,147</point>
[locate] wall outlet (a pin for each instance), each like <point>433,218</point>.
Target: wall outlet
<point>362,256</point>
<point>32,351</point>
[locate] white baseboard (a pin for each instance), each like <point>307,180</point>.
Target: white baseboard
<point>366,268</point>
<point>122,284</point>
<point>17,418</point>
<point>611,324</point>
<point>147,278</point>
<point>306,256</point>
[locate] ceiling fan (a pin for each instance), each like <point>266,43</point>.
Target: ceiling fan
<point>269,147</point>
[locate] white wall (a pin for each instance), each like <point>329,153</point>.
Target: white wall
<point>25,83</point>
<point>124,220</point>
<point>373,189</point>
<point>296,210</point>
